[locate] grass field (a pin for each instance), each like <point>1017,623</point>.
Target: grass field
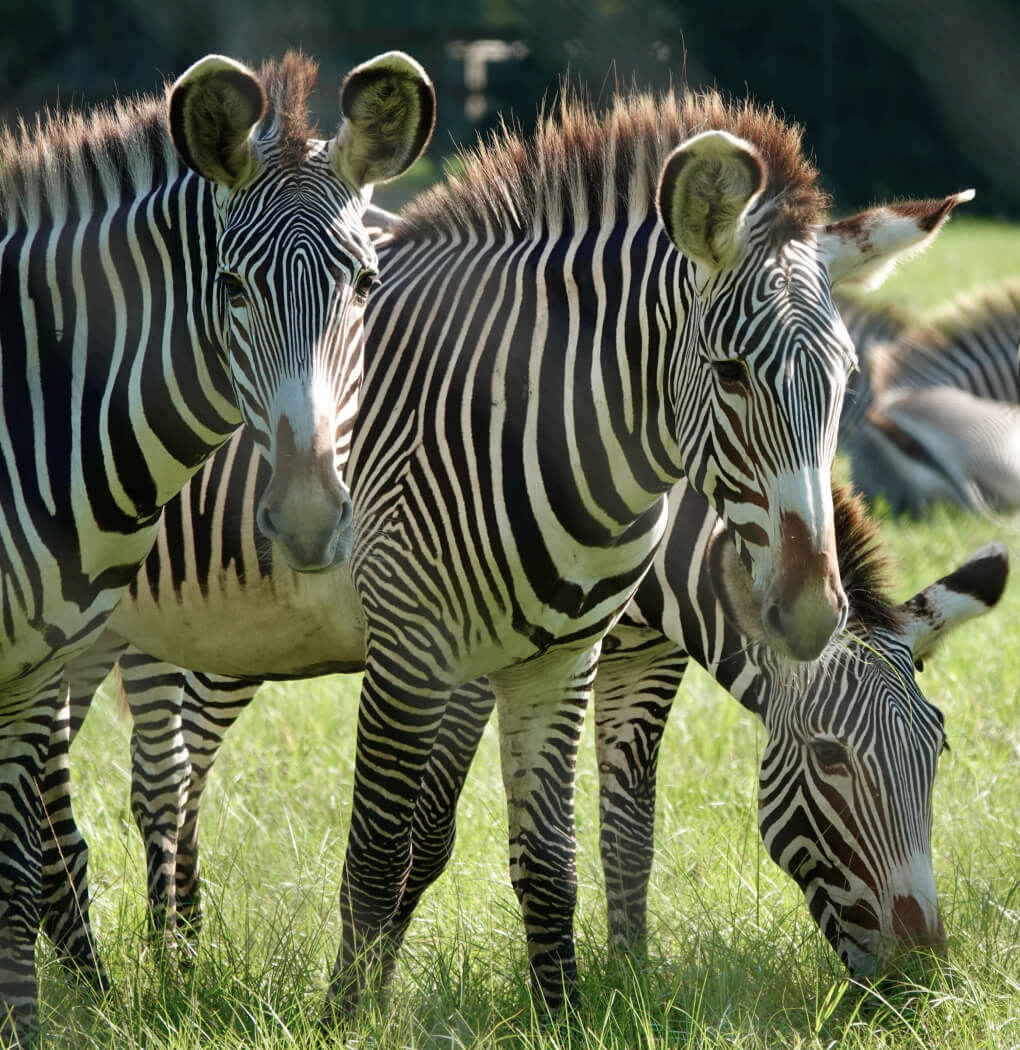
<point>735,960</point>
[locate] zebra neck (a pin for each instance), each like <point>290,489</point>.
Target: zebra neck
<point>109,340</point>
<point>529,357</point>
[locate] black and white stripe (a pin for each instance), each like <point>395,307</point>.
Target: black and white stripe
<point>941,421</point>
<point>845,780</point>
<point>542,364</point>
<point>157,287</point>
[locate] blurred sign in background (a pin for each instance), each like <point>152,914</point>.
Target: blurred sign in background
<point>898,97</point>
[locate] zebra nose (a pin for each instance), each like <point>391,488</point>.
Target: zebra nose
<point>309,543</point>
<point>802,638</point>
<point>918,927</point>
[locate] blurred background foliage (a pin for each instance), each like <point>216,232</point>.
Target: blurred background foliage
<point>898,97</point>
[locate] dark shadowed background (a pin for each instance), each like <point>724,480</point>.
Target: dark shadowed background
<point>898,97</point>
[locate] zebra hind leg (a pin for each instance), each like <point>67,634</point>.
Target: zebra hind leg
<point>160,772</point>
<point>212,703</point>
<point>541,711</point>
<point>634,692</point>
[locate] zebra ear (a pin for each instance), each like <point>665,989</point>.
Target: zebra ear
<point>972,590</point>
<point>864,249</point>
<point>214,106</point>
<point>732,585</point>
<point>706,189</point>
<point>389,110</point>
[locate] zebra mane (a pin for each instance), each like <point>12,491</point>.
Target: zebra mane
<point>863,564</point>
<point>582,166</point>
<point>288,85</point>
<point>986,322</point>
<point>879,320</point>
<point>123,140</point>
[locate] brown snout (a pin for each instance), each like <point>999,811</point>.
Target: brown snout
<point>805,604</point>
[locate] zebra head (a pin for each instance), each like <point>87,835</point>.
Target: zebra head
<point>767,357</point>
<point>292,264</point>
<point>845,784</point>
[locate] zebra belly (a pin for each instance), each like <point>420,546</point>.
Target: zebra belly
<point>285,626</point>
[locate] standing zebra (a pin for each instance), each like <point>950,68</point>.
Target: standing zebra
<point>941,421</point>
<point>167,269</point>
<point>523,414</point>
<point>855,716</point>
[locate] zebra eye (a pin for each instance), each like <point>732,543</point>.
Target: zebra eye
<point>830,753</point>
<point>731,373</point>
<point>919,664</point>
<point>234,287</point>
<point>366,281</point>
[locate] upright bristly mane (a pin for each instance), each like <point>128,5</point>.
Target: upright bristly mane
<point>288,85</point>
<point>127,142</point>
<point>863,565</point>
<point>983,325</point>
<point>582,166</point>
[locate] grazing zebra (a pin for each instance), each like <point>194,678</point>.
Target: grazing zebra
<point>941,421</point>
<point>168,268</point>
<point>522,416</point>
<point>854,717</point>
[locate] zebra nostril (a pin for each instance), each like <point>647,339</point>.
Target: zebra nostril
<point>773,620</point>
<point>346,515</point>
<point>265,523</point>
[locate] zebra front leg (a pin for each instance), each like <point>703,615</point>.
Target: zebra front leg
<point>65,892</point>
<point>634,691</point>
<point>397,726</point>
<point>26,723</point>
<point>434,828</point>
<point>541,710</point>
<point>212,704</point>
<point>160,771</point>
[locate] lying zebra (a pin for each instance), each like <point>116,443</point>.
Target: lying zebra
<point>938,417</point>
<point>854,717</point>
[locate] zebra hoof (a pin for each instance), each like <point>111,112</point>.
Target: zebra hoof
<point>87,972</point>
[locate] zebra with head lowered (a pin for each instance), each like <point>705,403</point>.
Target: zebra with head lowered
<point>523,415</point>
<point>168,268</point>
<point>845,782</point>
<point>940,420</point>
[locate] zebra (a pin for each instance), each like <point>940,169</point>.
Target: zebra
<point>941,421</point>
<point>169,268</point>
<point>522,417</point>
<point>855,716</point>
<point>870,324</point>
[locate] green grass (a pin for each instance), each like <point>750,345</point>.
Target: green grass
<point>735,960</point>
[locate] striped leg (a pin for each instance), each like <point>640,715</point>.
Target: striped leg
<point>25,728</point>
<point>65,892</point>
<point>159,777</point>
<point>434,827</point>
<point>397,725</point>
<point>212,704</point>
<point>540,718</point>
<point>633,695</point>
